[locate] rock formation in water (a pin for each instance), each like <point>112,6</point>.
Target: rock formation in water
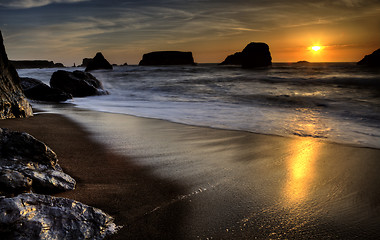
<point>371,60</point>
<point>98,62</point>
<point>253,55</point>
<point>167,58</point>
<point>28,164</point>
<point>37,90</point>
<point>35,216</point>
<point>85,62</point>
<point>35,64</point>
<point>13,103</point>
<point>77,83</point>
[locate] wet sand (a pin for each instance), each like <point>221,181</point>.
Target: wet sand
<point>163,180</point>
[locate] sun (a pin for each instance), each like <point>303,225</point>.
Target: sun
<point>316,48</point>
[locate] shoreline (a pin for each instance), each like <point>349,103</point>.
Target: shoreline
<point>105,180</point>
<point>167,180</point>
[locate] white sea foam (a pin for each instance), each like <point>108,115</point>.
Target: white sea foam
<point>337,102</point>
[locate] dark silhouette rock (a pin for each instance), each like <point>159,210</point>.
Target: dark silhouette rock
<point>37,90</point>
<point>77,83</point>
<point>372,60</point>
<point>302,62</point>
<point>234,59</point>
<point>13,103</point>
<point>253,55</point>
<point>35,64</point>
<point>125,64</point>
<point>27,163</point>
<point>98,62</point>
<point>85,62</point>
<point>35,216</point>
<point>167,58</point>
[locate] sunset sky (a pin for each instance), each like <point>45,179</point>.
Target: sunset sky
<point>123,30</point>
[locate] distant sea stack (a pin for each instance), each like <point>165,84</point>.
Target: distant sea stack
<point>167,58</point>
<point>255,54</point>
<point>372,60</point>
<point>13,103</point>
<point>85,62</point>
<point>35,64</point>
<point>98,62</point>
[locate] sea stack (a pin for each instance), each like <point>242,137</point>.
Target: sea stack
<point>167,58</point>
<point>13,103</point>
<point>372,60</point>
<point>255,54</point>
<point>98,62</point>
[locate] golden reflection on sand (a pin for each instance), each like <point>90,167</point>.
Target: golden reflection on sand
<point>300,169</point>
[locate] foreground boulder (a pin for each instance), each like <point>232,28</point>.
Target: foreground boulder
<point>372,60</point>
<point>77,83</point>
<point>36,64</point>
<point>253,55</point>
<point>37,90</point>
<point>13,103</point>
<point>167,58</point>
<point>27,164</point>
<point>98,62</point>
<point>34,216</point>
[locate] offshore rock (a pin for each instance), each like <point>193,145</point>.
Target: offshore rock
<point>234,59</point>
<point>27,164</point>
<point>85,62</point>
<point>372,60</point>
<point>167,58</point>
<point>253,55</point>
<point>13,103</point>
<point>34,216</point>
<point>37,90</point>
<point>35,64</point>
<point>98,62</point>
<point>77,83</point>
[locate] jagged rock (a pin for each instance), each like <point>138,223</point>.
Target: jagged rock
<point>253,55</point>
<point>167,58</point>
<point>98,62</point>
<point>34,216</point>
<point>13,103</point>
<point>28,164</point>
<point>85,62</point>
<point>372,60</point>
<point>37,90</point>
<point>77,83</point>
<point>35,64</point>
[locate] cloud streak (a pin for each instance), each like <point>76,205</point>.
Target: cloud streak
<point>34,3</point>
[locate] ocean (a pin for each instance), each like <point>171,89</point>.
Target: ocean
<point>336,102</point>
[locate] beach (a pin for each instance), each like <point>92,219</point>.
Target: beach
<point>164,180</point>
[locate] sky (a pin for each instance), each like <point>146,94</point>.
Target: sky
<point>67,31</point>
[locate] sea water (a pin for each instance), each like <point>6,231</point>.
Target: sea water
<point>339,102</point>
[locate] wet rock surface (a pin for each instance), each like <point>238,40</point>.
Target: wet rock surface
<point>37,90</point>
<point>34,216</point>
<point>27,164</point>
<point>13,103</point>
<point>77,83</point>
<point>167,58</point>
<point>98,62</point>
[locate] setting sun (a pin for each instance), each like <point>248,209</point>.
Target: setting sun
<point>316,48</point>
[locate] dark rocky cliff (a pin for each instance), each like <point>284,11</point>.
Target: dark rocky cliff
<point>13,103</point>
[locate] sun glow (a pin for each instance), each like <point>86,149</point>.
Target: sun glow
<point>316,48</point>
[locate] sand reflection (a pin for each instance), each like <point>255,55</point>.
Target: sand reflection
<point>300,169</point>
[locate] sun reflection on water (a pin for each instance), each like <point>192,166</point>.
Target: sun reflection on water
<point>300,169</point>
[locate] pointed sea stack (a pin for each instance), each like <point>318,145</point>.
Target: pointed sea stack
<point>98,62</point>
<point>167,58</point>
<point>372,60</point>
<point>253,55</point>
<point>13,103</point>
